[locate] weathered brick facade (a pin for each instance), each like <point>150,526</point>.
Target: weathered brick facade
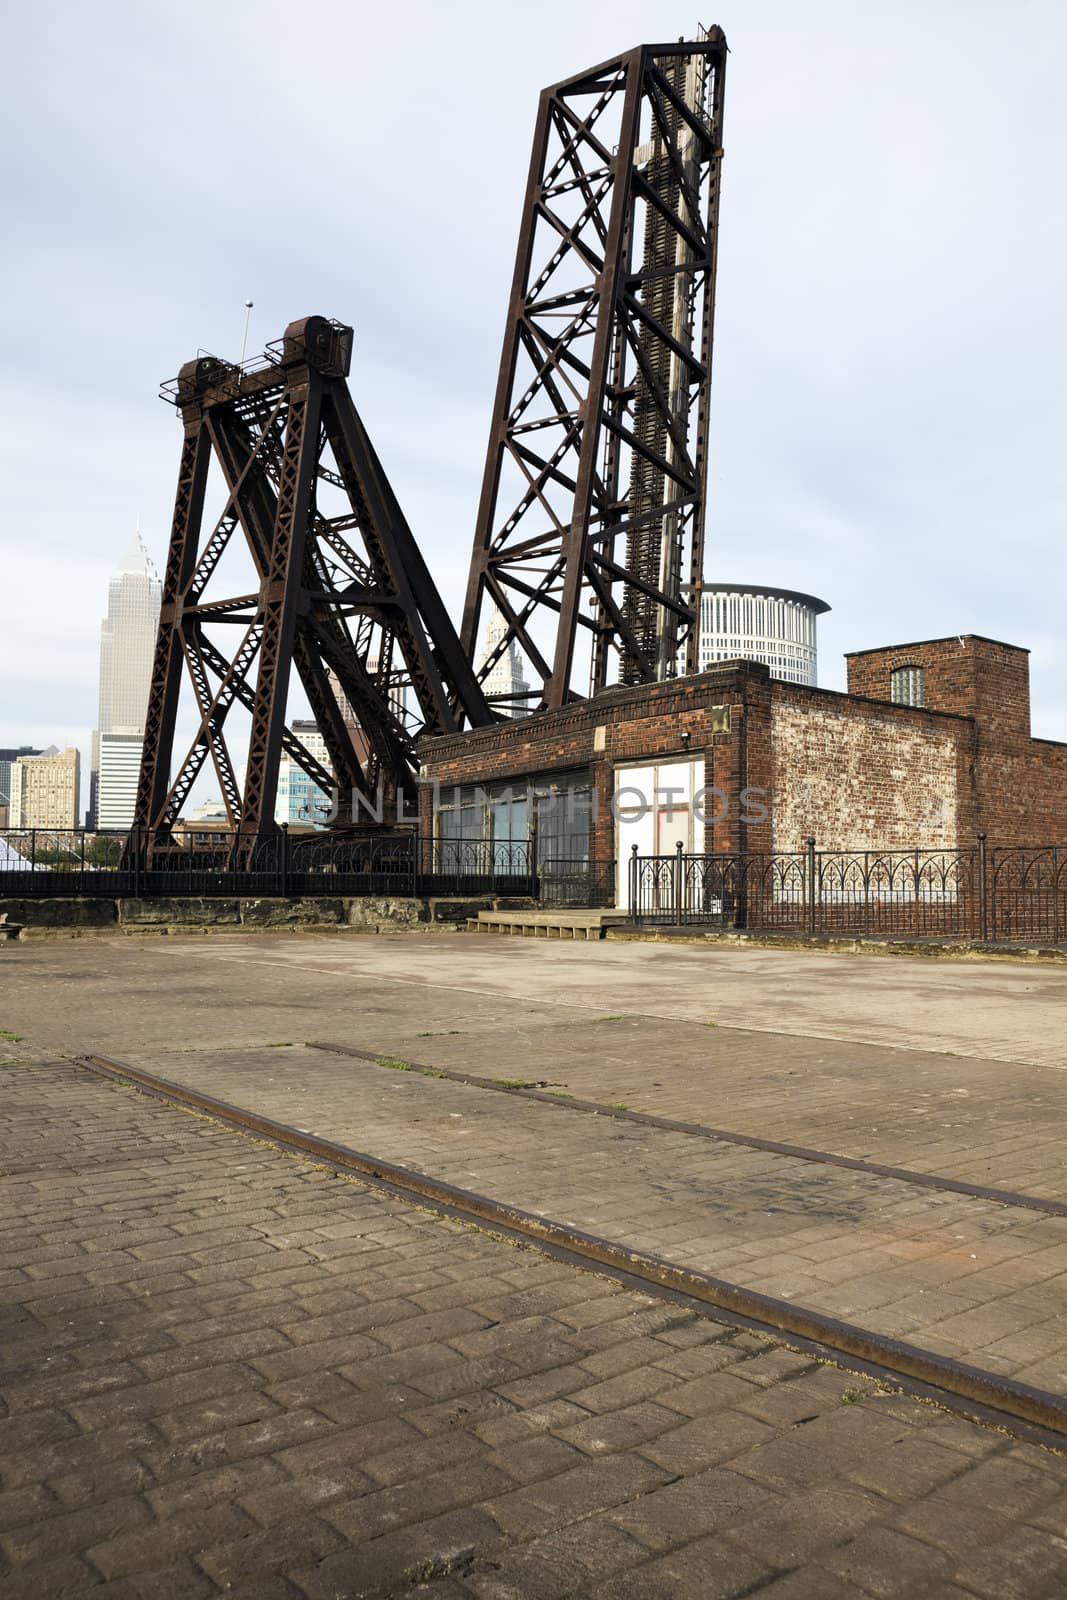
<point>852,770</point>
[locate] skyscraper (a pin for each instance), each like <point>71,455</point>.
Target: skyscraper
<point>504,683</point>
<point>301,802</point>
<point>127,643</point>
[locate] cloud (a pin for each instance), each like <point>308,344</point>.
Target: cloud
<point>888,408</point>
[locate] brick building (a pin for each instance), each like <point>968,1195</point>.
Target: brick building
<point>930,744</point>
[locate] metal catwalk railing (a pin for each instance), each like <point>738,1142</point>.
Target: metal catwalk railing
<point>978,892</point>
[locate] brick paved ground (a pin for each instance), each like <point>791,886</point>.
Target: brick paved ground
<point>963,1115</point>
<point>965,1277</point>
<point>225,1370</point>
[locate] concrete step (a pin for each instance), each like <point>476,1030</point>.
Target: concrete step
<point>546,924</point>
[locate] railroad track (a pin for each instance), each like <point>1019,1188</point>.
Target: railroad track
<point>1022,1409</point>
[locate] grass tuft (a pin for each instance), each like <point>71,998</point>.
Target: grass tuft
<point>394,1063</point>
<point>14,1037</point>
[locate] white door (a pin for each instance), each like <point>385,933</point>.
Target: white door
<point>654,811</point>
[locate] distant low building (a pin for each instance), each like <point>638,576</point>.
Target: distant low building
<point>45,789</point>
<point>7,761</point>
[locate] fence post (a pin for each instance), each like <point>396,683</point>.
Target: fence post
<point>633,883</point>
<point>285,858</point>
<point>811,886</point>
<point>679,847</point>
<point>33,849</point>
<point>983,890</point>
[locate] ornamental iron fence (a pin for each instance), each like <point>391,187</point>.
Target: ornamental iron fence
<point>1014,894</point>
<point>1009,894</point>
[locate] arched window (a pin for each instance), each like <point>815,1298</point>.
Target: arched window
<point>907,686</point>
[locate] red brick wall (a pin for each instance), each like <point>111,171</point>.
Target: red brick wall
<point>1020,783</point>
<point>850,769</point>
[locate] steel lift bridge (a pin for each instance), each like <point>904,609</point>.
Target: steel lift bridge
<point>589,536</point>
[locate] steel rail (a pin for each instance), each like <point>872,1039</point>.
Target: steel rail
<point>700,1130</point>
<point>988,1397</point>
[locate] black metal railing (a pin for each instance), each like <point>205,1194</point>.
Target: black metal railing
<point>576,882</point>
<point>38,863</point>
<point>974,892</point>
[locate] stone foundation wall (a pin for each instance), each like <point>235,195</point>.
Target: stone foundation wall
<point>77,916</point>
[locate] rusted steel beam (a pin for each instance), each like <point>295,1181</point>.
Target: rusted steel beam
<point>345,598</point>
<point>598,447</point>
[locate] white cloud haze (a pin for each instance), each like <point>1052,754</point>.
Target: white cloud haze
<point>888,404</point>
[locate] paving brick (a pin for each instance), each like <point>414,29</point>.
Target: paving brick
<point>708,1567</point>
<point>594,1486</point>
<point>380,1567</point>
<point>234,1481</point>
<point>887,1564</point>
<point>801,1527</point>
<point>628,1388</point>
<point>73,1531</point>
<point>1028,1562</point>
<point>279,1430</point>
<point>48,1580</point>
<point>287,1545</point>
<point>690,1508</point>
<point>527,1460</point>
<point>706,1441</point>
<point>554,1565</point>
<point>345,1447</point>
<point>153,1544</point>
<point>383,1510</point>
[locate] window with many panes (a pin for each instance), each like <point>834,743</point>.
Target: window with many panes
<point>907,686</point>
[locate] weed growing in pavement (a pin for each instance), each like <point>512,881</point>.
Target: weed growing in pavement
<point>14,1037</point>
<point>438,1033</point>
<point>561,1094</point>
<point>432,1072</point>
<point>394,1063</point>
<point>517,1083</point>
<point>279,1044</point>
<point>850,1396</point>
<point>619,1105</point>
<point>617,1018</point>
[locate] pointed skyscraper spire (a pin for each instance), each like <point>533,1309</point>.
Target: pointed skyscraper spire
<point>136,558</point>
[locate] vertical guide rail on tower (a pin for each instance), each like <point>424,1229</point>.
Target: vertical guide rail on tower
<point>589,540</point>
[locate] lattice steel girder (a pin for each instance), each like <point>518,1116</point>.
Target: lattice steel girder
<point>346,598</point>
<point>592,508</point>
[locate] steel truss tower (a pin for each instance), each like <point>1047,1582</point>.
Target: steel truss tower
<point>336,586</point>
<point>589,539</point>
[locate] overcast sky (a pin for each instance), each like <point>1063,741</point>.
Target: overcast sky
<point>889,412</point>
